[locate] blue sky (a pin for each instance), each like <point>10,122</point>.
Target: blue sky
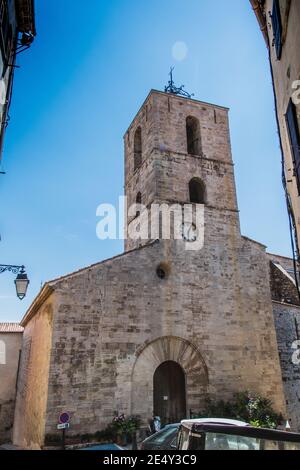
<point>77,90</point>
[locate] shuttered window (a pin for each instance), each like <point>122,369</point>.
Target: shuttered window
<point>293,129</point>
<point>277,28</point>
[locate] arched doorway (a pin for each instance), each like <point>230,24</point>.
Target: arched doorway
<point>169,394</point>
<point>151,356</point>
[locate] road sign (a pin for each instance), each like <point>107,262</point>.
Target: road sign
<point>64,418</point>
<point>63,426</point>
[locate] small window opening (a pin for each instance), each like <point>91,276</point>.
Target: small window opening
<point>138,202</point>
<point>197,191</point>
<point>193,136</point>
<point>137,148</point>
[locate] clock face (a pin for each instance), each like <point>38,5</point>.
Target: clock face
<point>189,232</point>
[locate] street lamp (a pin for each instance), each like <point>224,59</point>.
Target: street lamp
<point>21,280</point>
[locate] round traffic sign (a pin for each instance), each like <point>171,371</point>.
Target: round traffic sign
<point>64,418</point>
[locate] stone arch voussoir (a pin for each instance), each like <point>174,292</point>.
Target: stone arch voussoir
<point>150,356</point>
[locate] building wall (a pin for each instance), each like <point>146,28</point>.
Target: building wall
<point>286,263</point>
<point>18,19</point>
<point>6,72</point>
<point>287,322</point>
<point>114,323</point>
<point>283,287</point>
<point>32,387</point>
<point>11,346</point>
<point>111,323</point>
<point>286,71</point>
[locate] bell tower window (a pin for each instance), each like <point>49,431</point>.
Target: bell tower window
<point>197,191</point>
<point>137,148</point>
<point>193,136</point>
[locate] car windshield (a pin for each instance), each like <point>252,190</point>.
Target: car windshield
<point>161,436</point>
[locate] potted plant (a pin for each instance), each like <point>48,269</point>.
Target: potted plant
<point>126,428</point>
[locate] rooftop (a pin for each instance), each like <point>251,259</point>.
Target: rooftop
<point>175,97</point>
<point>11,328</point>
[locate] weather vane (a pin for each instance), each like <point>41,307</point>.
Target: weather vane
<point>171,88</point>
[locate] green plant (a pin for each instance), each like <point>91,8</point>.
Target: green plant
<point>106,435</point>
<point>245,406</point>
<point>126,426</point>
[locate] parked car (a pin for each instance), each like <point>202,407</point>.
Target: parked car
<point>193,435</point>
<point>166,439</point>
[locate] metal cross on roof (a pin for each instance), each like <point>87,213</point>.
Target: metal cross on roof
<point>171,88</point>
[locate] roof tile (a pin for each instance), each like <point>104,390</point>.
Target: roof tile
<point>11,328</point>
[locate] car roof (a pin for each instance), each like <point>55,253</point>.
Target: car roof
<point>188,423</point>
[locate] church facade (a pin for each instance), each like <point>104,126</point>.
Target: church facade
<point>161,328</point>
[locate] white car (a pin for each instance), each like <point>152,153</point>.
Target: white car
<point>220,434</point>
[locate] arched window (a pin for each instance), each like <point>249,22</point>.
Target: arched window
<point>138,148</point>
<point>197,191</point>
<point>193,136</point>
<point>138,201</point>
<point>2,353</point>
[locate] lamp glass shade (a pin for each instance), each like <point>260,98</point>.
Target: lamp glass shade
<point>21,283</point>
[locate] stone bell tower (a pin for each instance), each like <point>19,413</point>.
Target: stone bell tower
<point>177,151</point>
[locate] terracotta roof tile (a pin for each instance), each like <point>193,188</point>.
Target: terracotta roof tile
<point>11,328</point>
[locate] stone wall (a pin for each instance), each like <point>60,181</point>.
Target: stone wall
<point>115,322</point>
<point>217,302</point>
<point>283,288</point>
<point>32,387</point>
<point>8,379</point>
<point>167,169</point>
<point>287,322</point>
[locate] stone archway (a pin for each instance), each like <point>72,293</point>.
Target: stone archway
<point>151,356</point>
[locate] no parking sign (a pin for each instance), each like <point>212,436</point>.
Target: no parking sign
<point>64,423</point>
<point>64,418</point>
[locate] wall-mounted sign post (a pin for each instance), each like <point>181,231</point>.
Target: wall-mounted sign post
<point>64,423</point>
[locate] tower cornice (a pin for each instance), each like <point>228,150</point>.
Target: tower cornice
<point>172,97</point>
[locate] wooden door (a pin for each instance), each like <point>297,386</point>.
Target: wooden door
<point>169,392</point>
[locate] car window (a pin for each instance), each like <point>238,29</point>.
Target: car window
<point>160,437</point>
<point>291,446</point>
<point>216,441</point>
<point>197,441</point>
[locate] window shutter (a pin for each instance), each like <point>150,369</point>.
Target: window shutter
<point>293,128</point>
<point>277,28</point>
